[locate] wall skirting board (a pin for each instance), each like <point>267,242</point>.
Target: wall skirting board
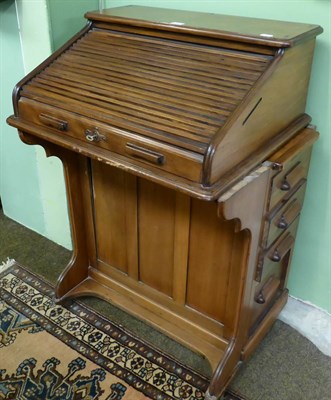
<point>312,322</point>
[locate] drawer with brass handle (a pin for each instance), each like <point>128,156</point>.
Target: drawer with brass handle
<point>136,148</point>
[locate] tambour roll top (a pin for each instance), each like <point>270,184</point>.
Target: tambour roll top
<point>189,99</point>
<point>175,92</point>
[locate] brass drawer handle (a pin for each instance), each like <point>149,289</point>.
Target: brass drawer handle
<point>54,122</point>
<point>94,136</point>
<point>145,154</point>
<point>281,249</point>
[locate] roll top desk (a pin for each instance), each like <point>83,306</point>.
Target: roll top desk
<point>186,150</point>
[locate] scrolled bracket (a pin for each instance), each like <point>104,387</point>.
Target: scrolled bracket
<point>245,201</point>
<point>50,148</point>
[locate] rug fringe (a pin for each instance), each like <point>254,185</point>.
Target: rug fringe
<point>6,264</point>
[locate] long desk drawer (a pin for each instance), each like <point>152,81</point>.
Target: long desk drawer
<point>165,157</point>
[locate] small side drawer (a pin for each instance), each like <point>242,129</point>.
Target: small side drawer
<point>282,217</point>
<point>291,164</point>
<point>294,170</point>
<point>265,295</point>
<point>136,148</point>
<point>275,263</point>
<point>271,259</point>
<point>274,257</point>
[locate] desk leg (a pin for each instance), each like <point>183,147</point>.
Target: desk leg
<point>76,170</point>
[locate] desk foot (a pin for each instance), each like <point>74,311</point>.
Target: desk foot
<point>208,396</point>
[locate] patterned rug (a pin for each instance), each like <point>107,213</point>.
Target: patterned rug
<point>52,352</point>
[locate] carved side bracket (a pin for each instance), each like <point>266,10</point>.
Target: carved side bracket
<point>245,201</point>
<point>50,148</point>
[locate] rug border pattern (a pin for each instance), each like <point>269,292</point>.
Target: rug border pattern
<point>26,303</point>
<point>162,361</point>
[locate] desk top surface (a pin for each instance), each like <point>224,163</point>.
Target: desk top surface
<point>252,30</point>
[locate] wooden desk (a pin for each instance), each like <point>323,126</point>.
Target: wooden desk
<point>186,151</point>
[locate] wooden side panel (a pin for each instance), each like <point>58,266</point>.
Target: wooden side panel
<point>115,221</point>
<point>156,231</point>
<point>210,258</point>
<point>181,246</point>
<point>271,106</point>
<point>240,251</point>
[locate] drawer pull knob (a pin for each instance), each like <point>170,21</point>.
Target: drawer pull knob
<point>276,256</point>
<point>260,298</point>
<point>282,223</point>
<point>94,136</point>
<point>285,186</point>
<point>282,248</point>
<point>53,122</point>
<point>289,215</point>
<point>268,291</point>
<point>293,176</point>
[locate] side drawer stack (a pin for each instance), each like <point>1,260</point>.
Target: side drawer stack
<point>285,201</point>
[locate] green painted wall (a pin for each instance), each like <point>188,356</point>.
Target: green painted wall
<point>310,276</point>
<point>19,181</point>
<point>52,191</point>
<point>67,18</point>
<point>31,185</point>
